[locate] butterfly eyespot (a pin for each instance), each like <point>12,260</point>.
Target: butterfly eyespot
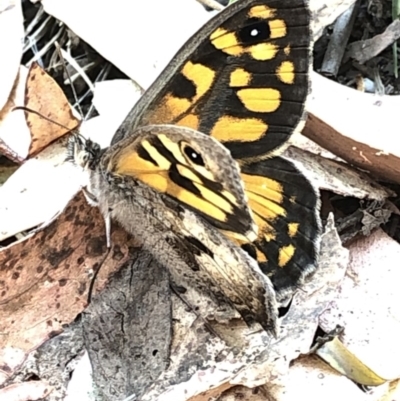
<point>255,32</point>
<point>194,156</point>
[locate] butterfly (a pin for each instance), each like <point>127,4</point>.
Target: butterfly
<point>242,79</point>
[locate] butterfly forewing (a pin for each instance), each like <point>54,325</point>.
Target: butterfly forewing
<point>243,78</point>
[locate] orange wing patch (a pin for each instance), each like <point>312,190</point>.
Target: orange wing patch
<point>263,51</point>
<point>228,129</point>
<point>226,41</point>
<point>285,72</point>
<point>262,11</point>
<point>260,100</point>
<point>201,76</point>
<point>278,28</point>
<point>239,77</point>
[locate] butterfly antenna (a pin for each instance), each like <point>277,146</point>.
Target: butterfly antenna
<point>29,110</point>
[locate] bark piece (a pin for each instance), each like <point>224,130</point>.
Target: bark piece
<point>127,329</point>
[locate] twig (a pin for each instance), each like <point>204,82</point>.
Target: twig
<point>364,50</point>
<point>338,42</point>
<point>78,69</point>
<point>35,20</point>
<point>43,51</point>
<point>60,54</point>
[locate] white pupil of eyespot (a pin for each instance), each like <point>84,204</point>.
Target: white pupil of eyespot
<point>254,32</point>
<point>194,155</point>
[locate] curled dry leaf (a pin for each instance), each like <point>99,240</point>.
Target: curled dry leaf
<point>322,383</point>
<point>43,95</point>
<point>359,127</point>
<point>46,279</point>
<point>336,355</point>
<point>337,177</point>
<point>300,141</point>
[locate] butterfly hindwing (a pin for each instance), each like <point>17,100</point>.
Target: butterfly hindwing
<point>285,207</point>
<point>243,78</point>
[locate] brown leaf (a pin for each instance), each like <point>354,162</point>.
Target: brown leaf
<point>45,280</point>
<point>43,95</point>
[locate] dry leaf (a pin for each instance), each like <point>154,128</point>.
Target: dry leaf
<point>80,387</point>
<point>23,133</point>
<point>337,177</point>
<point>393,393</point>
<point>309,378</point>
<point>113,100</point>
<point>45,97</point>
<point>46,278</point>
<point>38,190</point>
<point>337,355</point>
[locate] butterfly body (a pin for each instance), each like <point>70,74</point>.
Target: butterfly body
<point>242,79</point>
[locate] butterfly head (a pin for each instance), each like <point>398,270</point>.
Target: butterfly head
<point>190,167</point>
<point>83,152</point>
